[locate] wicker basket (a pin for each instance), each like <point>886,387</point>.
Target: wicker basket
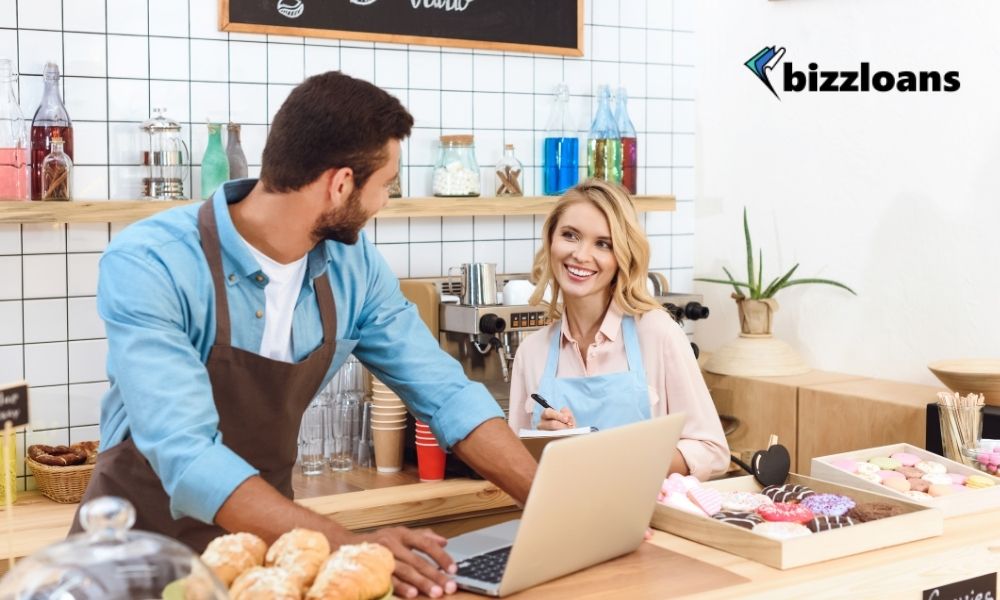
<point>62,484</point>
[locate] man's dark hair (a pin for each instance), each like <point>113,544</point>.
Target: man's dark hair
<point>331,121</point>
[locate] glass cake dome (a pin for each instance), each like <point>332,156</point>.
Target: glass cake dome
<point>112,562</point>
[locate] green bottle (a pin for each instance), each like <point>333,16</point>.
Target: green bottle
<point>214,164</point>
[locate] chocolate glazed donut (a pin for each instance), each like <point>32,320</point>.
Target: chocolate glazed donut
<point>56,456</point>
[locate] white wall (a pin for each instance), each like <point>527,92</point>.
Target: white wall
<point>897,195</point>
<point>121,58</point>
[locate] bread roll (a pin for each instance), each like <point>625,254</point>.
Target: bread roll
<point>231,555</point>
<point>359,572</point>
<point>265,583</point>
<point>301,552</point>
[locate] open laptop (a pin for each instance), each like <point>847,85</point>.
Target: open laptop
<point>591,500</point>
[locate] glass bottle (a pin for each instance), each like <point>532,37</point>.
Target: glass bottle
<point>57,172</point>
<point>629,148</point>
<point>214,164</point>
<point>15,172</point>
<point>509,173</point>
<point>456,172</point>
<point>604,146</point>
<point>561,160</point>
<point>50,117</point>
<point>234,152</point>
<point>396,185</point>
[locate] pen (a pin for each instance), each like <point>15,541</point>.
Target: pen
<point>541,401</point>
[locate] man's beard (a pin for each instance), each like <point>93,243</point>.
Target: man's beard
<point>342,224</point>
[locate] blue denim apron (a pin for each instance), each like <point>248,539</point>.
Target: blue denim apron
<point>602,401</point>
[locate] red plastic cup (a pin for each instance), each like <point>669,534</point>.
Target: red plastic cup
<point>430,462</point>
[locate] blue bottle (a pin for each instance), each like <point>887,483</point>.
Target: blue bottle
<point>561,159</point>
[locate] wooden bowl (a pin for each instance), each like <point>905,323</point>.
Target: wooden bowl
<point>970,376</point>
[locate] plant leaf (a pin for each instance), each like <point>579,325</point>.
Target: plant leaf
<point>732,280</point>
<point>746,234</point>
<point>736,284</point>
<point>779,283</point>
<point>760,273</point>
<point>823,281</point>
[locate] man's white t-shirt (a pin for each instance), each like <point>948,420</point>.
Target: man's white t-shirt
<point>281,293</point>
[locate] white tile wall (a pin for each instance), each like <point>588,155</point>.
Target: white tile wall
<point>121,58</point>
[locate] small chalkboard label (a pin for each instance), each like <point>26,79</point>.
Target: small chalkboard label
<point>544,26</point>
<point>983,587</point>
<point>14,404</point>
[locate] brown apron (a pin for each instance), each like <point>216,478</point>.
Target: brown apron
<point>260,403</point>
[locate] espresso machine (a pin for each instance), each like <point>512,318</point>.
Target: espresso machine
<point>483,335</point>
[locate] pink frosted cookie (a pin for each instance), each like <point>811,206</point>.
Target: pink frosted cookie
<point>929,466</point>
<point>957,478</point>
<point>846,464</point>
<point>897,483</point>
<point>910,472</point>
<point>883,475</point>
<point>743,501</point>
<point>906,459</point>
<point>684,482</point>
<point>681,502</point>
<point>918,484</point>
<point>781,530</point>
<point>707,499</point>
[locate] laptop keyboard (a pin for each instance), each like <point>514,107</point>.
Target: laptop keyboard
<point>487,567</point>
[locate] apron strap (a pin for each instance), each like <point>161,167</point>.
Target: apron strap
<point>327,307</point>
<point>209,232</point>
<point>632,350</point>
<point>553,359</point>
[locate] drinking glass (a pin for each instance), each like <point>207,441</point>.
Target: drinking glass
<point>312,434</point>
<point>345,427</point>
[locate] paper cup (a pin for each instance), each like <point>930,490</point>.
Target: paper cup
<point>430,462</point>
<point>388,449</point>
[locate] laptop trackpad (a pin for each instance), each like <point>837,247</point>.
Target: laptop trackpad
<point>482,540</point>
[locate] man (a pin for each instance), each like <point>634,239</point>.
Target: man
<point>225,319</point>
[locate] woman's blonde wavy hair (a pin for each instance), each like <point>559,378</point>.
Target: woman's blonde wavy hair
<point>628,242</point>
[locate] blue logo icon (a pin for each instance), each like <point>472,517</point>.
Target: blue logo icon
<point>765,61</point>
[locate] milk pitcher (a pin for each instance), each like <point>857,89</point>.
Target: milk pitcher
<point>477,283</point>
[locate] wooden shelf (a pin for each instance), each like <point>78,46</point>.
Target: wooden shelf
<point>126,211</point>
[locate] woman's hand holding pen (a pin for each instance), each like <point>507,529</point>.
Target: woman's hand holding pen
<point>553,419</point>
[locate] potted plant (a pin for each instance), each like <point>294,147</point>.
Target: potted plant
<point>755,353</point>
<point>757,306</point>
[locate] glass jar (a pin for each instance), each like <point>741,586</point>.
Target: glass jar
<point>509,173</point>
<point>456,172</point>
<point>112,562</point>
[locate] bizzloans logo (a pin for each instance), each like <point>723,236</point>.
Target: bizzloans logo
<point>863,80</point>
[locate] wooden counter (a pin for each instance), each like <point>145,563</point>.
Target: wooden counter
<point>359,500</point>
<point>969,547</point>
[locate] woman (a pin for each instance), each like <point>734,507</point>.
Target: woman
<point>615,356</point>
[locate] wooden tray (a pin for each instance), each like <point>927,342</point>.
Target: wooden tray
<point>971,501</point>
<point>917,522</point>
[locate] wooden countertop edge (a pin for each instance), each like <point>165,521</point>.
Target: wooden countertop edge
<point>39,522</point>
<point>416,502</point>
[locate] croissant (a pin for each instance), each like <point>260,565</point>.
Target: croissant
<point>301,552</point>
<point>265,583</point>
<point>358,572</point>
<point>231,555</point>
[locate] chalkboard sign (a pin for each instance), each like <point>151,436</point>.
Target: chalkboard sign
<point>14,404</point>
<point>544,26</point>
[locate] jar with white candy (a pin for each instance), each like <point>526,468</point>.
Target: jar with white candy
<point>456,172</point>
